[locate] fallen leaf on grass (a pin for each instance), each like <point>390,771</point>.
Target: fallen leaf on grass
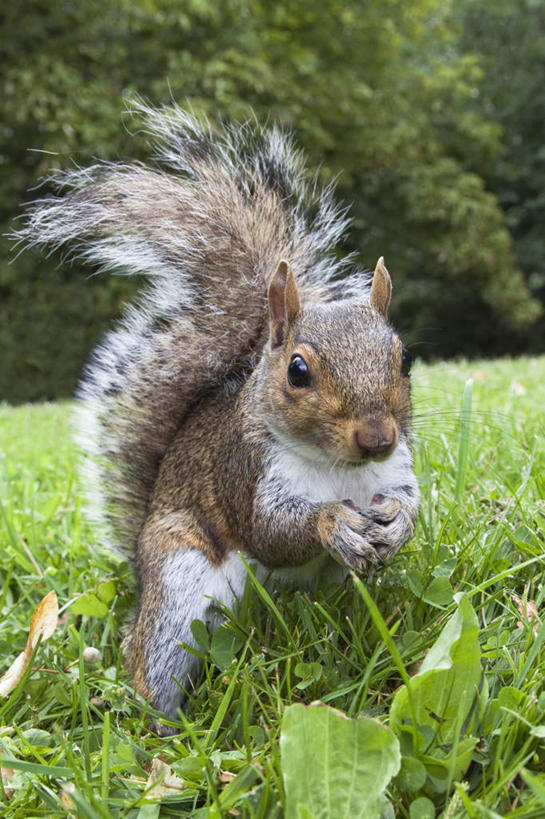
<point>528,611</point>
<point>7,775</point>
<point>43,624</point>
<point>162,781</point>
<point>66,796</point>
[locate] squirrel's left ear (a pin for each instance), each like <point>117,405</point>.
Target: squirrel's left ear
<point>284,302</point>
<point>381,288</point>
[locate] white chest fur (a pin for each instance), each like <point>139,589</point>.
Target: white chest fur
<point>320,481</point>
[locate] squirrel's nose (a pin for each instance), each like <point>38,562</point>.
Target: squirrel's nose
<point>375,439</point>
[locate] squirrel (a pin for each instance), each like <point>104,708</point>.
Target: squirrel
<point>255,402</point>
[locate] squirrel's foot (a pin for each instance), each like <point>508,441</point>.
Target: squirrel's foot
<point>343,532</point>
<point>163,730</point>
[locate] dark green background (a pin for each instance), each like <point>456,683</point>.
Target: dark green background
<point>432,116</point>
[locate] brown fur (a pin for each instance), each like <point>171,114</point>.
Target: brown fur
<point>191,414</point>
<point>208,493</point>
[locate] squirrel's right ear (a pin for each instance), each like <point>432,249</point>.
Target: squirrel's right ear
<point>381,288</point>
<point>284,302</point>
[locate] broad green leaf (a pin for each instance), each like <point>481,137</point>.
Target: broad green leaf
<point>412,775</point>
<point>257,733</point>
<point>512,698</point>
<point>410,640</point>
<point>190,768</point>
<point>490,717</point>
<point>448,696</point>
<point>351,764</point>
<point>422,808</point>
<point>444,764</point>
<point>106,591</point>
<point>439,593</point>
<point>39,742</point>
<point>38,737</point>
<point>414,579</point>
<point>125,752</point>
<point>225,644</point>
<point>446,568</point>
<point>89,604</point>
<point>200,634</point>
<point>149,811</point>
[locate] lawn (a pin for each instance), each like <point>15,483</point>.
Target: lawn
<point>75,739</point>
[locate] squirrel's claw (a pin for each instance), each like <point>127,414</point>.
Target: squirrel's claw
<point>344,533</point>
<point>361,539</point>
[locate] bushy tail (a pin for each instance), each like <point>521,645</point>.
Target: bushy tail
<point>207,223</point>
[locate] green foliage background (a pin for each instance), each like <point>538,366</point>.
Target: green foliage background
<point>430,114</point>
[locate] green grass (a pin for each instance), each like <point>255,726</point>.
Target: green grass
<point>78,733</point>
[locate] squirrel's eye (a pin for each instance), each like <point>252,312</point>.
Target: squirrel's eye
<point>406,361</point>
<point>298,374</point>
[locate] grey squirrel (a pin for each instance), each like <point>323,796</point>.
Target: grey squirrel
<point>254,401</point>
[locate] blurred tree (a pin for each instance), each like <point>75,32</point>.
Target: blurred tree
<point>508,36</point>
<point>63,68</point>
<point>376,91</point>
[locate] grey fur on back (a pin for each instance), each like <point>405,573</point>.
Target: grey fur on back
<point>207,223</point>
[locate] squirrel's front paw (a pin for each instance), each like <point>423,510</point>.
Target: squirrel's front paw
<point>384,508</point>
<point>342,529</point>
<point>392,524</point>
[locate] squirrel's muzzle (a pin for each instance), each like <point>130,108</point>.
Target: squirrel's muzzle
<point>374,438</point>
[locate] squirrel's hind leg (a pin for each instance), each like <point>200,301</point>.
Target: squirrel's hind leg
<point>181,587</point>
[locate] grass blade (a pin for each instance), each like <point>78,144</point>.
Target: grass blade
<point>464,439</point>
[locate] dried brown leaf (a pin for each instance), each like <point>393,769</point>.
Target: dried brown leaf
<point>162,781</point>
<point>528,611</point>
<point>43,624</point>
<point>7,775</point>
<point>66,796</point>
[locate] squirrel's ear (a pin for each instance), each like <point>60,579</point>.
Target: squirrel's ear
<point>381,288</point>
<point>284,302</point>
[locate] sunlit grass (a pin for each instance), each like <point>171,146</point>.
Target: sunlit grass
<point>480,460</point>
